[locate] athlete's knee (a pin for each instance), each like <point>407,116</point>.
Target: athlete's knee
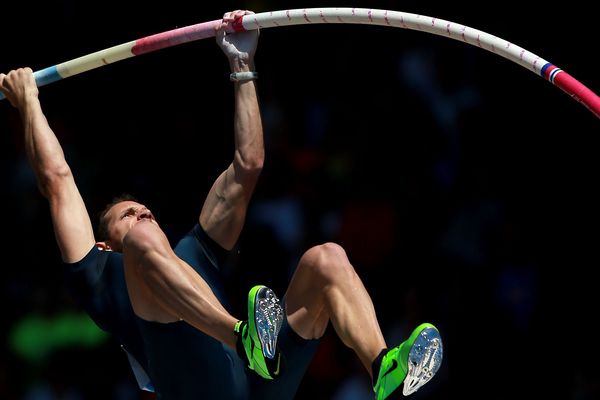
<point>329,262</point>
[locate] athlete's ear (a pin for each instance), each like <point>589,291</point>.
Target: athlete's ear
<point>103,246</point>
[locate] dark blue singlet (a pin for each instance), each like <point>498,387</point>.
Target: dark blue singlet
<point>183,362</point>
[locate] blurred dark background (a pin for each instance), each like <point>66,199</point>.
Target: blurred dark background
<point>461,185</point>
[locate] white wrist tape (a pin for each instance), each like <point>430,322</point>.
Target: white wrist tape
<point>243,76</point>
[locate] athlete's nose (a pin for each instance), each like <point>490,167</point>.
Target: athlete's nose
<point>144,213</point>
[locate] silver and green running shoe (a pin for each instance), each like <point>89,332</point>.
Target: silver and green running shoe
<point>414,362</point>
<point>259,333</point>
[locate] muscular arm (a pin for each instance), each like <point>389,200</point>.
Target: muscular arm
<point>224,211</point>
<point>72,226</point>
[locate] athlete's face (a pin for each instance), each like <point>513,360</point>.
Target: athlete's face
<point>122,217</point>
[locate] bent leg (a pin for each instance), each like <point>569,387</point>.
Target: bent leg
<point>163,288</point>
<point>325,287</point>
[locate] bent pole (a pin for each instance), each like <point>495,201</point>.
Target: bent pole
<point>337,15</point>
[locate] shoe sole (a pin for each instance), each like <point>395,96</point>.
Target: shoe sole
<point>266,314</point>
<point>424,358</point>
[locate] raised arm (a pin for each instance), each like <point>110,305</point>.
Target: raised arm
<point>72,225</point>
<point>224,210</point>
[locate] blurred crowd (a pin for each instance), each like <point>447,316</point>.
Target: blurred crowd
<point>460,184</point>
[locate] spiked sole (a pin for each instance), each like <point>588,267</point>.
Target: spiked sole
<point>412,364</point>
<point>265,317</point>
<point>424,357</point>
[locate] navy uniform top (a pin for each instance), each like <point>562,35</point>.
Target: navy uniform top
<point>97,284</point>
<point>182,361</point>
